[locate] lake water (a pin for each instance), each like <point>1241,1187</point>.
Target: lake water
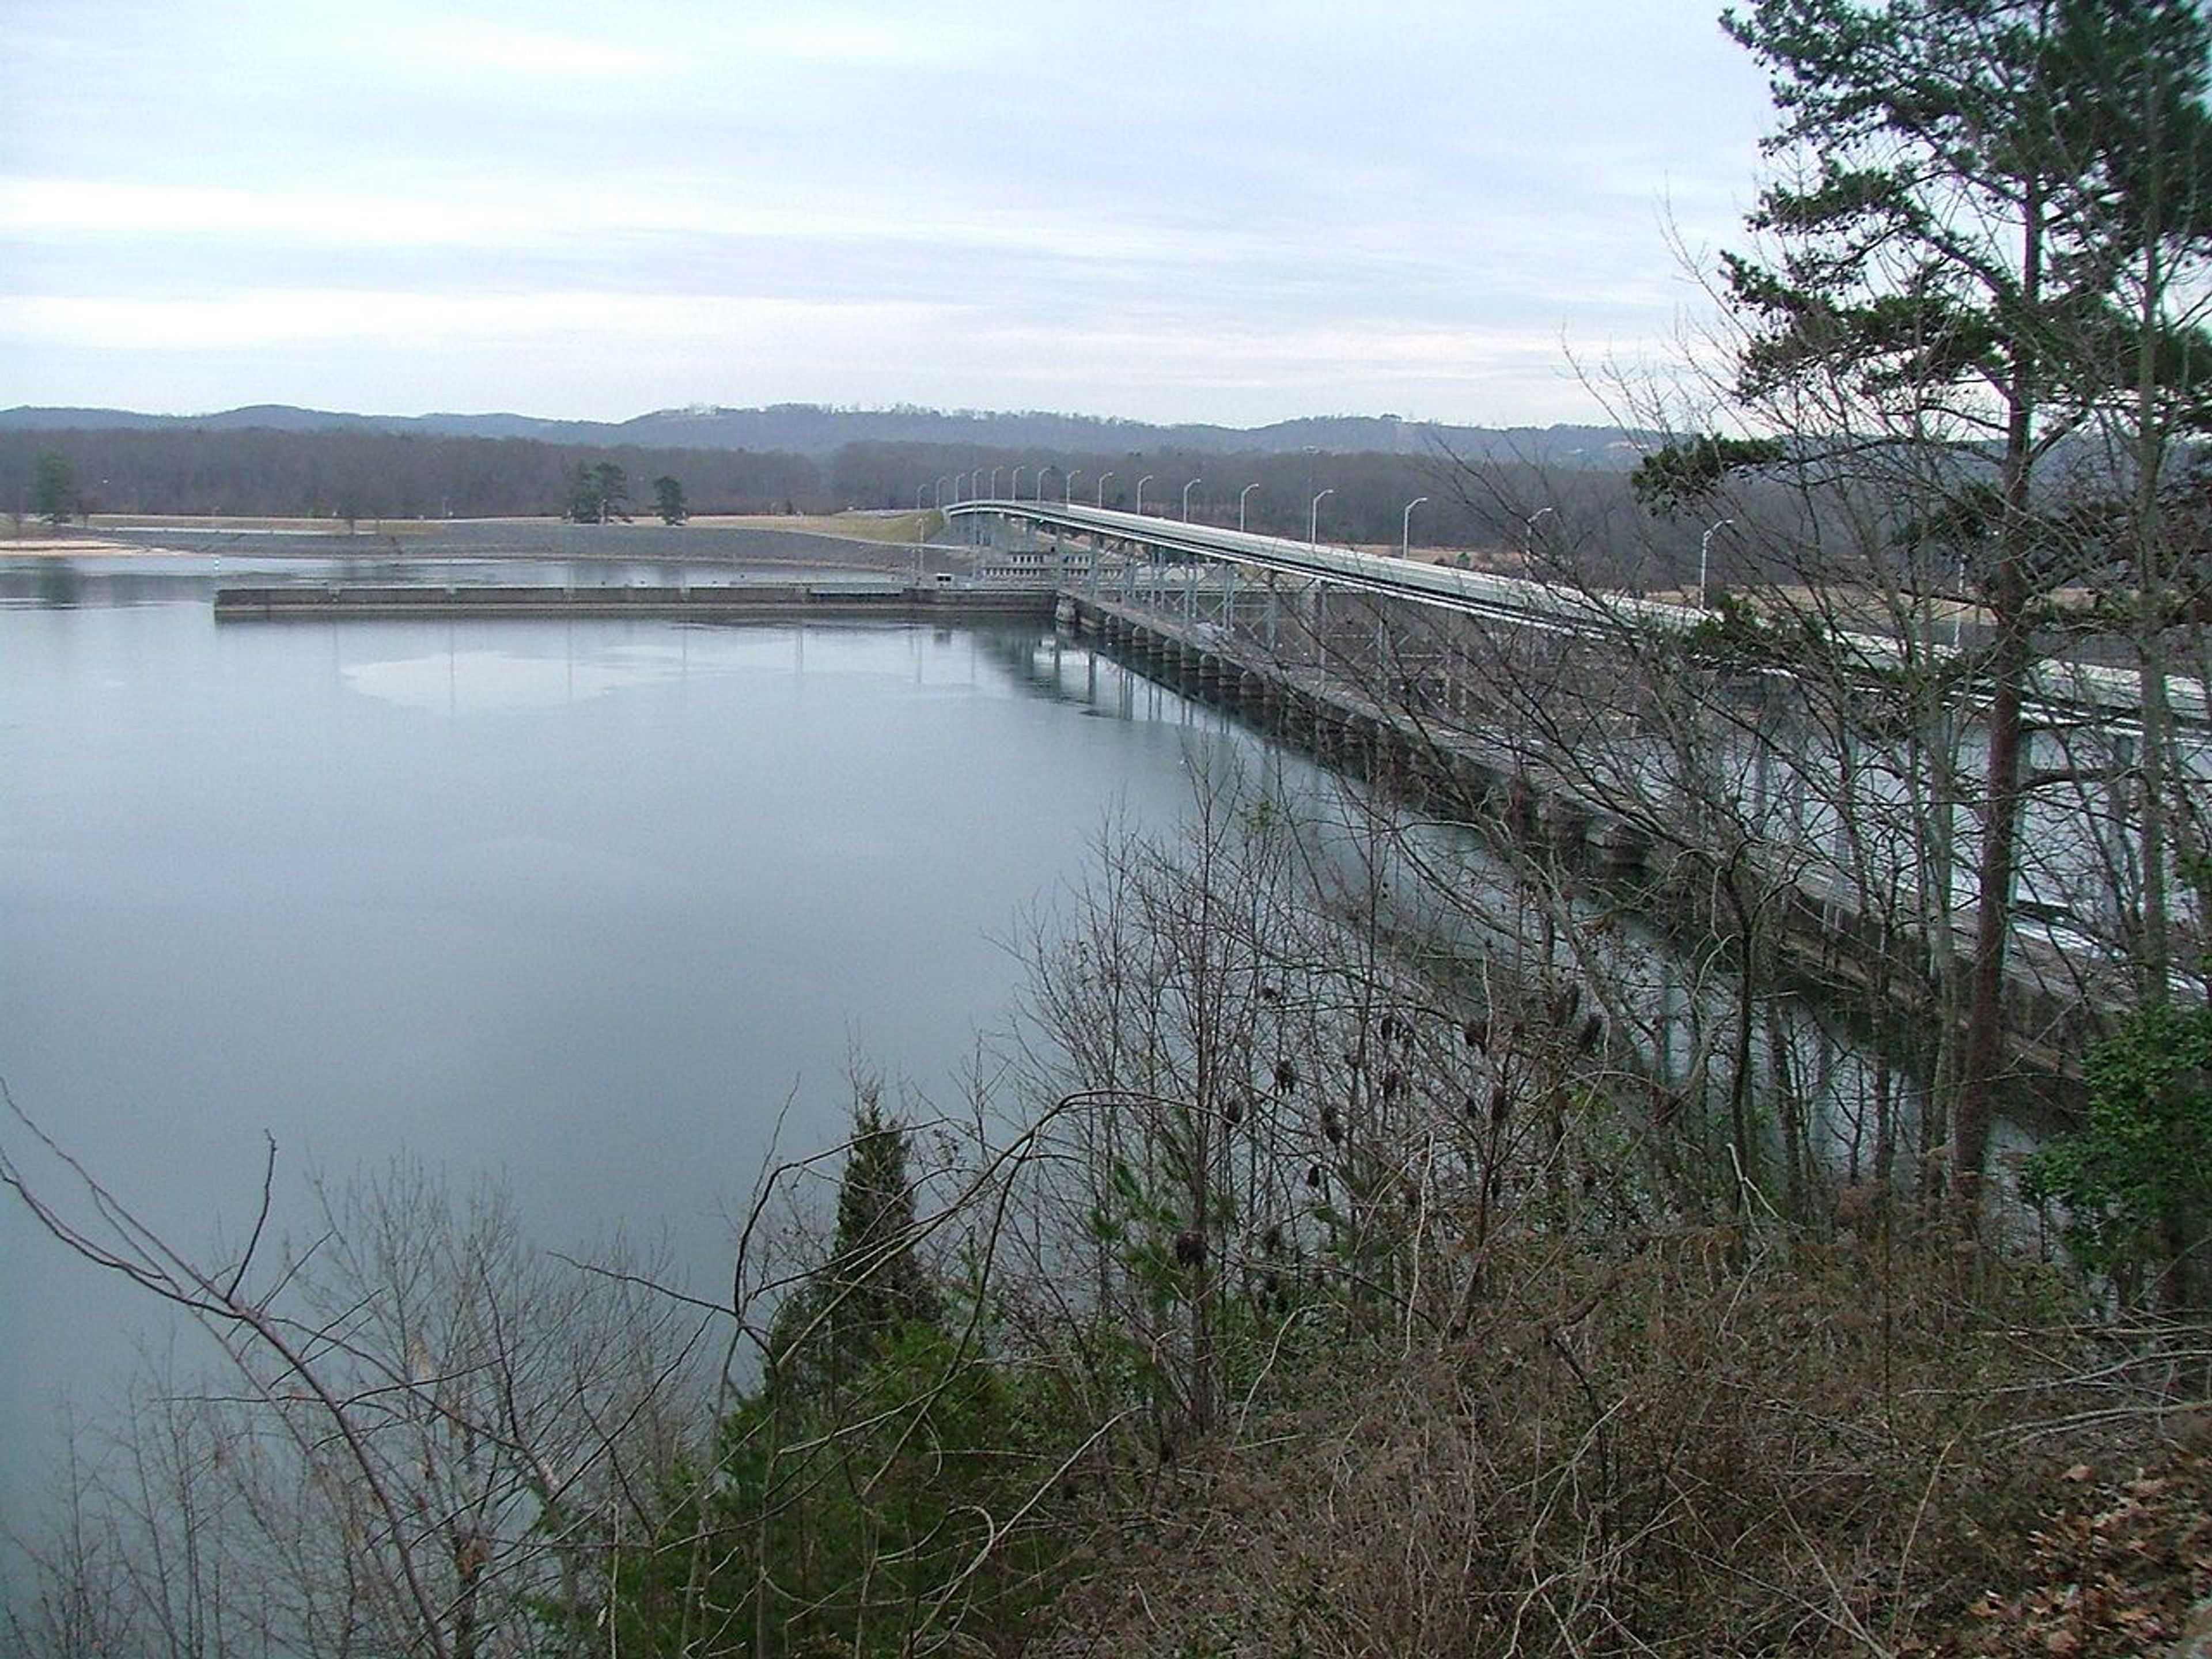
<point>582,905</point>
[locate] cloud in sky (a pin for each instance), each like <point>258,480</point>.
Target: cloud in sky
<point>1234,213</point>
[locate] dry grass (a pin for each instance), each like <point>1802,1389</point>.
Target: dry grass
<point>902,528</point>
<point>1691,1449</point>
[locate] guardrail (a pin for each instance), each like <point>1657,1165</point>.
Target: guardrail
<point>1525,602</point>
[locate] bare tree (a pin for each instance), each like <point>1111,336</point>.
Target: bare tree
<point>428,1430</point>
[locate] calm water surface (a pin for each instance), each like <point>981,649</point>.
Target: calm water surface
<point>581,905</point>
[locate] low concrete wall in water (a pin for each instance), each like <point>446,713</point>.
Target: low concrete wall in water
<point>731,603</point>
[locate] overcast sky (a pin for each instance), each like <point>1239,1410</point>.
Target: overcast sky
<point>1232,211</point>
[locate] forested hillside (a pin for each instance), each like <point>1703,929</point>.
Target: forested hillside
<point>819,430</point>
<point>365,472</point>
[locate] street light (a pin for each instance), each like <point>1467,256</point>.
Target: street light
<point>1241,495</point>
<point>1312,517</point>
<point>920,490</point>
<point>1705,554</point>
<point>1529,541</point>
<point>1187,488</point>
<point>1141,482</point>
<point>1102,488</point>
<point>937,499</point>
<point>1074,473</point>
<point>1015,488</point>
<point>994,484</point>
<point>1406,528</point>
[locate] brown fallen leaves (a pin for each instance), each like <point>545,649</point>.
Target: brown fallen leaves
<point>2115,1570</point>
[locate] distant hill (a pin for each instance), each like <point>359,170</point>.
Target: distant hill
<point>818,430</point>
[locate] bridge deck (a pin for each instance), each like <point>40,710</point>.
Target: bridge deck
<point>2071,687</point>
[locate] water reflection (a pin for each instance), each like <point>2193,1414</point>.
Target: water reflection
<point>58,584</point>
<point>481,679</point>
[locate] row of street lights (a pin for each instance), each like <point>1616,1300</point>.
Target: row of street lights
<point>971,483</point>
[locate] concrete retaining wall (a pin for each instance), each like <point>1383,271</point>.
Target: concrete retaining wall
<point>714,603</point>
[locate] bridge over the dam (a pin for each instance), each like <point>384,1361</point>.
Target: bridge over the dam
<point>1121,548</point>
<point>1533,704</point>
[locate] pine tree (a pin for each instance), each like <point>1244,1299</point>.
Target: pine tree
<point>1982,256</point>
<point>873,1285</point>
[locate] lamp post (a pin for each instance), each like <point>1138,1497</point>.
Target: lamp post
<point>1313,518</point>
<point>937,499</point>
<point>1014,488</point>
<point>1102,488</point>
<point>920,490</point>
<point>1187,488</point>
<point>1704,556</point>
<point>1529,541</point>
<point>1958,611</point>
<point>1074,473</point>
<point>1141,482</point>
<point>1240,496</point>
<point>994,484</point>
<point>1406,528</point>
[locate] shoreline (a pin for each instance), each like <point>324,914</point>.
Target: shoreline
<point>703,541</point>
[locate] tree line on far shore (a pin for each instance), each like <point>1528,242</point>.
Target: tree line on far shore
<point>356,475</point>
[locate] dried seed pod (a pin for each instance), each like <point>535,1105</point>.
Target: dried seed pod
<point>1394,1084</point>
<point>1332,1123</point>
<point>1233,1112</point>
<point>1286,1077</point>
<point>1313,1176</point>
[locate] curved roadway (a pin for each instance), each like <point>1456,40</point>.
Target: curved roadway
<point>1529,603</point>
